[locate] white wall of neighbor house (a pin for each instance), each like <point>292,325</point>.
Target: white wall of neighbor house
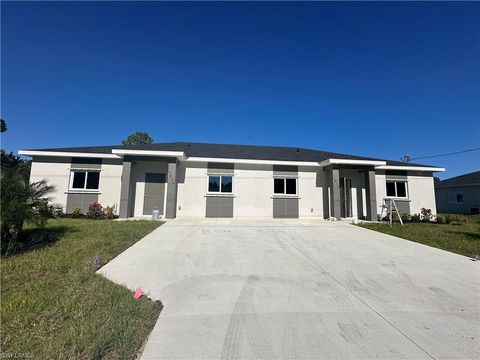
<point>446,199</point>
<point>57,174</point>
<point>192,187</point>
<point>110,183</point>
<point>139,169</point>
<point>421,192</point>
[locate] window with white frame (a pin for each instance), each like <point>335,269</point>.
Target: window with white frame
<point>397,189</point>
<point>220,184</point>
<point>456,198</point>
<point>84,180</point>
<point>285,186</point>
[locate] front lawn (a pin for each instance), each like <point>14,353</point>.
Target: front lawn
<point>460,239</point>
<point>54,306</point>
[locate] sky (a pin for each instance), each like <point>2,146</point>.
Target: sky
<point>373,79</point>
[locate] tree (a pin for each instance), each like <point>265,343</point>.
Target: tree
<point>3,125</point>
<point>138,138</point>
<point>20,200</point>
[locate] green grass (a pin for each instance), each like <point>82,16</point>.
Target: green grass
<point>460,239</point>
<point>54,306</point>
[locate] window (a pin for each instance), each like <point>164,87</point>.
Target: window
<point>279,186</point>
<point>220,183</point>
<point>456,198</point>
<point>285,186</point>
<point>401,189</point>
<point>291,186</point>
<point>226,184</point>
<point>85,180</point>
<point>397,189</point>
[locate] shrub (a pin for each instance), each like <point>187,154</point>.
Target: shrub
<point>21,201</point>
<point>415,218</point>
<point>405,217</point>
<point>95,211</point>
<point>56,211</point>
<point>110,212</point>
<point>459,220</point>
<point>76,213</point>
<point>426,214</point>
<point>440,219</point>
<point>395,217</point>
<point>456,219</point>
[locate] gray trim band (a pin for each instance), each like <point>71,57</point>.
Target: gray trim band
<point>171,206</point>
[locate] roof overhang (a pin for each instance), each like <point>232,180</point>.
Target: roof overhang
<point>252,161</point>
<point>67,154</point>
<point>440,186</point>
<point>352,162</point>
<point>177,154</point>
<point>411,168</point>
<point>120,153</point>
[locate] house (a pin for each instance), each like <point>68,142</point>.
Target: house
<point>460,194</point>
<point>215,180</point>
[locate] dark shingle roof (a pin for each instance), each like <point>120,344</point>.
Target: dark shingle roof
<point>233,152</point>
<point>466,179</point>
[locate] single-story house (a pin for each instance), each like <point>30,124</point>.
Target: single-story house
<point>184,179</point>
<point>459,195</point>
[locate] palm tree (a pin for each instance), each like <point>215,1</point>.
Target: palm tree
<point>21,201</point>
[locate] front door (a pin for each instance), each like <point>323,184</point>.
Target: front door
<point>154,193</point>
<point>346,197</point>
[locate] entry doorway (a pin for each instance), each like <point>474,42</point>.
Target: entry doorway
<point>154,193</point>
<point>345,197</point>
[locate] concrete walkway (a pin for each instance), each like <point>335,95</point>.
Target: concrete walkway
<point>298,289</point>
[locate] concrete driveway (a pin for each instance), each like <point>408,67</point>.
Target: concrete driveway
<point>297,289</point>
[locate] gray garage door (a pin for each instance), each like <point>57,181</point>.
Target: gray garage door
<point>154,193</point>
<point>219,207</point>
<point>285,208</point>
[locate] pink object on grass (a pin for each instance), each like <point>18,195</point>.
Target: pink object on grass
<point>138,293</point>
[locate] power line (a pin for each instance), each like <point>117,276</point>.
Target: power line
<point>407,158</point>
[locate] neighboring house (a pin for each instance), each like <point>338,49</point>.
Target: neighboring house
<point>460,194</point>
<point>213,180</point>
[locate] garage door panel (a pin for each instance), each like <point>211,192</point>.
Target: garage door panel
<point>291,206</point>
<point>219,206</point>
<point>285,208</point>
<point>279,208</point>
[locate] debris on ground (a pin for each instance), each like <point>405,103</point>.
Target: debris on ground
<point>97,263</point>
<point>138,293</point>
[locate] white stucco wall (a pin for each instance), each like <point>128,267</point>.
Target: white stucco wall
<point>252,188</point>
<point>192,187</point>
<point>57,174</point>
<point>110,184</point>
<point>381,190</point>
<point>310,184</point>
<point>422,193</point>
